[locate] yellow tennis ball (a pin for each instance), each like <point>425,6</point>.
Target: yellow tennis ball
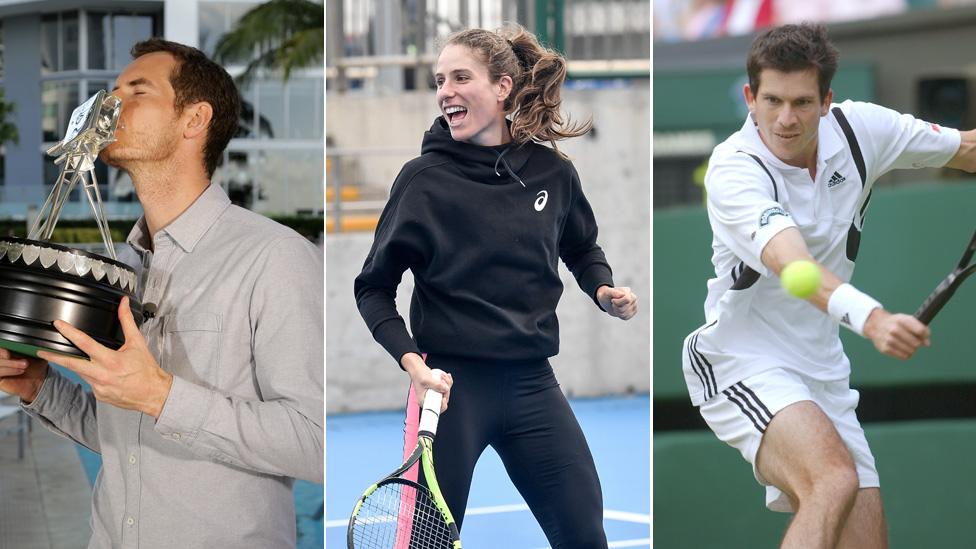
<point>800,278</point>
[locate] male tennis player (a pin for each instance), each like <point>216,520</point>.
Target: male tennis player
<point>767,370</point>
<point>207,413</point>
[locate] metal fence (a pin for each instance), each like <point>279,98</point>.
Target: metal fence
<point>353,200</point>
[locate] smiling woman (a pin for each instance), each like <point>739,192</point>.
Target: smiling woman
<point>505,209</point>
<point>482,76</point>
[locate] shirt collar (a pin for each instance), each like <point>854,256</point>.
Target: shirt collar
<point>190,226</point>
<point>828,146</point>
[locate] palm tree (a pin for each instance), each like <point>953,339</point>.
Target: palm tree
<point>279,34</point>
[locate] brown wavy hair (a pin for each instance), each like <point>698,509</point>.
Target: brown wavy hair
<point>537,76</point>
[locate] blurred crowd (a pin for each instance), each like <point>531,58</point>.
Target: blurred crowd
<point>682,20</point>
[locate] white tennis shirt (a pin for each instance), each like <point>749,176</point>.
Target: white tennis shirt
<point>752,324</point>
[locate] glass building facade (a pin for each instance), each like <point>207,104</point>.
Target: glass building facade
<point>275,165</point>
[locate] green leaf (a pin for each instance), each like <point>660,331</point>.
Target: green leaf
<point>277,35</point>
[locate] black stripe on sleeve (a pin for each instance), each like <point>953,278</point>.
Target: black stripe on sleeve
<point>765,169</point>
<point>747,277</point>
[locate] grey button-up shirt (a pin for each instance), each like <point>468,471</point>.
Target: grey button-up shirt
<point>239,325</point>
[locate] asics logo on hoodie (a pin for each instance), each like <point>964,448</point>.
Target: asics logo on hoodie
<point>540,201</point>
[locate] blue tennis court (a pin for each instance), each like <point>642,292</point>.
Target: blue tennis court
<point>361,448</point>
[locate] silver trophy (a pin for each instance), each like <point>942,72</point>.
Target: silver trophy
<point>41,281</point>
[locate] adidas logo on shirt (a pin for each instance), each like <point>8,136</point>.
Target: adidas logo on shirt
<point>846,319</point>
<point>835,180</point>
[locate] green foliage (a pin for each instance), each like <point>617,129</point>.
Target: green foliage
<point>84,235</point>
<point>279,34</point>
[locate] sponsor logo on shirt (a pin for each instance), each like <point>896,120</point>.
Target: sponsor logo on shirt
<point>541,199</point>
<point>935,127</point>
<point>835,180</point>
<point>769,213</point>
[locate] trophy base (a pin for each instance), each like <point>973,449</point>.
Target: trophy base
<point>31,350</point>
<point>41,282</point>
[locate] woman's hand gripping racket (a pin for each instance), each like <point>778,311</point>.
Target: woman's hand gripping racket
<point>937,299</point>
<point>396,513</point>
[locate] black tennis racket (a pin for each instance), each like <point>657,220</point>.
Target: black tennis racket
<point>397,513</point>
<point>937,299</point>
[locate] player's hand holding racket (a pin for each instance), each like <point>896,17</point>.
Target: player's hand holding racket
<point>396,513</point>
<point>895,334</point>
<point>423,378</point>
<point>900,335</point>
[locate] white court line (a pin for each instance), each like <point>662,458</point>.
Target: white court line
<point>495,509</point>
<point>631,543</point>
<point>627,517</point>
<point>623,516</point>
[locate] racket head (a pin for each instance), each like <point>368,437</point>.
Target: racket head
<point>397,513</point>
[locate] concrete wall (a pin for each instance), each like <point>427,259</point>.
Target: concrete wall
<point>599,355</point>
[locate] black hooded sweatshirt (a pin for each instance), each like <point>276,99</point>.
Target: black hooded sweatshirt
<point>482,229</point>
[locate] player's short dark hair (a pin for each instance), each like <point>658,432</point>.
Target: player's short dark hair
<point>196,78</point>
<point>792,48</point>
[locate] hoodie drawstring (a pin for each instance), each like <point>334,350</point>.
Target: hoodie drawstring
<point>508,168</point>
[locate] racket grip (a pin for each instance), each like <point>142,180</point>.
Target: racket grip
<point>430,413</point>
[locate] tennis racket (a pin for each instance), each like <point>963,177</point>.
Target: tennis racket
<point>397,513</point>
<point>937,299</point>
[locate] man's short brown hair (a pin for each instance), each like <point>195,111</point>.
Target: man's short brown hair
<point>196,78</point>
<point>792,48</point>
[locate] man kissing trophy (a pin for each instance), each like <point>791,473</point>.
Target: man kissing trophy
<point>40,281</point>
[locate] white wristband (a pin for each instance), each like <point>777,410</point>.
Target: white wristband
<point>851,307</point>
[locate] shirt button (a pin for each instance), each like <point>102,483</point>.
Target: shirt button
<point>132,459</point>
<point>130,521</point>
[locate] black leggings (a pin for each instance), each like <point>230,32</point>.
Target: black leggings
<point>520,411</point>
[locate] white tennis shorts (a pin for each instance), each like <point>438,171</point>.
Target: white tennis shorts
<point>740,414</point>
